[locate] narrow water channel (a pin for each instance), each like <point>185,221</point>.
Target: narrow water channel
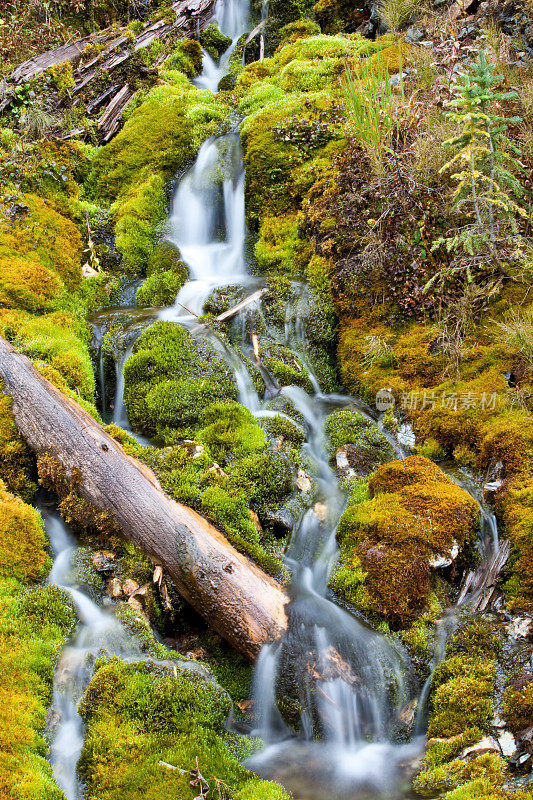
<point>354,687</point>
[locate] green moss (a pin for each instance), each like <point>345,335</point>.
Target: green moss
<point>230,431</point>
<point>282,426</point>
<point>15,457</point>
<point>167,258</point>
<point>284,364</point>
<point>266,477</point>
<point>160,289</point>
<point>138,715</point>
<point>171,377</point>
<point>133,170</point>
<point>34,624</point>
<point>214,42</point>
<point>22,546</point>
<point>186,58</point>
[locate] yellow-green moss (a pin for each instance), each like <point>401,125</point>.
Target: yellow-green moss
<point>34,623</point>
<point>15,457</point>
<point>138,716</point>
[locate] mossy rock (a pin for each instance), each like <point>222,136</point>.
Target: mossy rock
<point>140,714</point>
<point>223,298</point>
<point>167,258</point>
<point>171,377</point>
<point>265,477</point>
<point>284,365</point>
<point>363,445</point>
<point>214,42</point>
<point>281,426</point>
<point>16,461</point>
<point>23,539</point>
<point>415,513</point>
<point>159,290</point>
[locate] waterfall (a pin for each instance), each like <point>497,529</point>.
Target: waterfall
<point>207,224</point>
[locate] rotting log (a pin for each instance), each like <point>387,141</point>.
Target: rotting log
<point>236,598</point>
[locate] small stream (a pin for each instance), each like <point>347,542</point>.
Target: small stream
<point>353,686</point>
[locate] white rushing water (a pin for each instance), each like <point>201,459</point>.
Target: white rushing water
<point>98,629</point>
<point>232,17</point>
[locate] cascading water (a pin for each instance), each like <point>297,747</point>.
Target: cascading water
<point>98,630</point>
<point>232,17</point>
<point>348,686</point>
<point>207,223</point>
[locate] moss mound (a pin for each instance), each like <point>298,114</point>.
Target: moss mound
<point>414,513</point>
<point>159,716</point>
<point>171,377</point>
<point>364,446</point>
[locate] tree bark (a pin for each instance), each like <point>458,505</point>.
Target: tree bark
<point>241,602</point>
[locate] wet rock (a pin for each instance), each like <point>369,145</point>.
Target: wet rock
<point>507,743</point>
<point>493,480</point>
<point>490,489</point>
<point>320,511</point>
<point>520,628</point>
<point>88,271</point>
<point>303,482</point>
<point>486,745</point>
<point>415,34</point>
<point>129,587</point>
<point>103,560</point>
<point>341,458</point>
<point>217,470</point>
<point>256,521</point>
<point>114,588</point>
<point>279,519</point>
<point>441,561</point>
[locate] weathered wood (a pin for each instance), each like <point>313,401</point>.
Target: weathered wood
<point>109,120</point>
<point>235,597</point>
<point>479,586</point>
<point>192,16</point>
<point>232,312</point>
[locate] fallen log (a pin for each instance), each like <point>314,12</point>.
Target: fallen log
<point>241,602</point>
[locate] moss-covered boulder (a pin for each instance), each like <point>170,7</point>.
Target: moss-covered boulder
<point>355,444</point>
<point>412,518</point>
<point>171,377</point>
<point>159,290</point>
<point>23,540</point>
<point>160,716</point>
<point>213,41</point>
<point>230,431</point>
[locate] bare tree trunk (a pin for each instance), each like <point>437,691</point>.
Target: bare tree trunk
<point>241,602</point>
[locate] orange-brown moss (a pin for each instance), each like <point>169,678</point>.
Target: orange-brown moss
<point>415,512</point>
<point>518,703</point>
